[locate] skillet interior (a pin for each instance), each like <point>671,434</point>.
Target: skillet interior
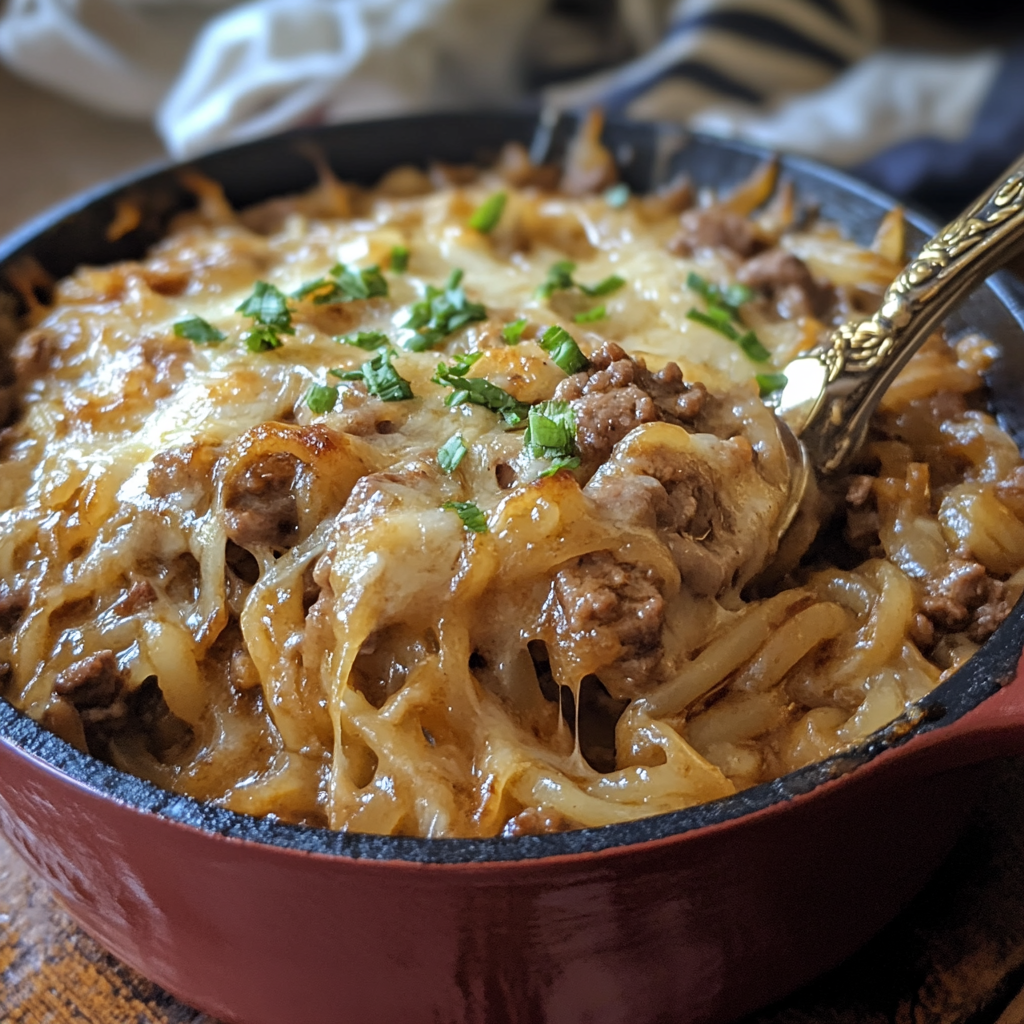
<point>75,233</point>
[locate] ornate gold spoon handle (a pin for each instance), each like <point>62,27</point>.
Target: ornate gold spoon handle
<point>832,391</point>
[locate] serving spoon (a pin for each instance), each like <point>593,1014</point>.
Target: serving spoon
<point>831,392</point>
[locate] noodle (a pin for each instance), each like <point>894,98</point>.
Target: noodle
<point>305,526</point>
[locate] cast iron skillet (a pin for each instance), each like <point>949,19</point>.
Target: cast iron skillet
<point>742,898</point>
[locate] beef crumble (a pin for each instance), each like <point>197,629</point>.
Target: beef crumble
<point>716,228</point>
<point>787,282</point>
<point>622,606</point>
<point>617,393</point>
<point>260,509</point>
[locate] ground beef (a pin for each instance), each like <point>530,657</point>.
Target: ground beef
<point>617,393</point>
<point>715,228</point>
<point>95,686</point>
<point>183,476</point>
<point>260,509</point>
<point>12,607</point>
<point>617,602</point>
<point>787,282</point>
<point>964,598</point>
<point>922,631</point>
<point>990,614</point>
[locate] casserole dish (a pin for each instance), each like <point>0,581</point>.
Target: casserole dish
<point>696,915</point>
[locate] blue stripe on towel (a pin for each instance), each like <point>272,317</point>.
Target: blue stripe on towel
<point>760,29</point>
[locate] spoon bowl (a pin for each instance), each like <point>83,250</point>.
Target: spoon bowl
<point>831,392</point>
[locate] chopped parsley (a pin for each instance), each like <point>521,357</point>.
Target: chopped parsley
<point>557,465</point>
<point>345,284</point>
<point>478,391</point>
<point>196,329</point>
<point>564,351</point>
<point>268,306</point>
<point>322,397</point>
<point>368,340</point>
<point>471,516</point>
<point>486,216</point>
<point>617,195</point>
<point>588,316</point>
<point>610,284</point>
<point>723,312</point>
<point>729,298</point>
<point>551,431</point>
<point>767,383</point>
<point>399,261</point>
<point>513,332</point>
<point>262,338</point>
<point>451,453</point>
<point>441,312</point>
<point>380,377</point>
<point>560,279</point>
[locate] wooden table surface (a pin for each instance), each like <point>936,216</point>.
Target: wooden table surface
<point>955,956</point>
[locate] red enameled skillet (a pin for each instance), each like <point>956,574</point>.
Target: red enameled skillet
<point>699,915</point>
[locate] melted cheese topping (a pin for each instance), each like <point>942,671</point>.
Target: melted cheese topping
<point>217,588</point>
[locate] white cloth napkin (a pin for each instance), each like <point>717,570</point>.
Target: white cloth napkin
<point>210,77</point>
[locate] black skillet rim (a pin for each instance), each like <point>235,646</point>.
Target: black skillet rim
<point>987,671</point>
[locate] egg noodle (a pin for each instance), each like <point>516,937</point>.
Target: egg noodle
<point>447,507</point>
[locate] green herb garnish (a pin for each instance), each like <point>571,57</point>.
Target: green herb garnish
<point>478,391</point>
<point>560,279</point>
<point>368,340</point>
<point>617,195</point>
<point>196,329</point>
<point>723,312</point>
<point>565,353</point>
<point>462,362</point>
<point>731,297</point>
<point>399,261</point>
<point>513,332</point>
<point>345,284</point>
<point>322,397</point>
<point>751,344</point>
<point>747,340</point>
<point>767,383</point>
<point>558,465</point>
<point>588,316</point>
<point>441,312</point>
<point>268,306</point>
<point>610,284</point>
<point>380,377</point>
<point>486,216</point>
<point>551,431</point>
<point>451,453</point>
<point>262,338</point>
<point>471,516</point>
